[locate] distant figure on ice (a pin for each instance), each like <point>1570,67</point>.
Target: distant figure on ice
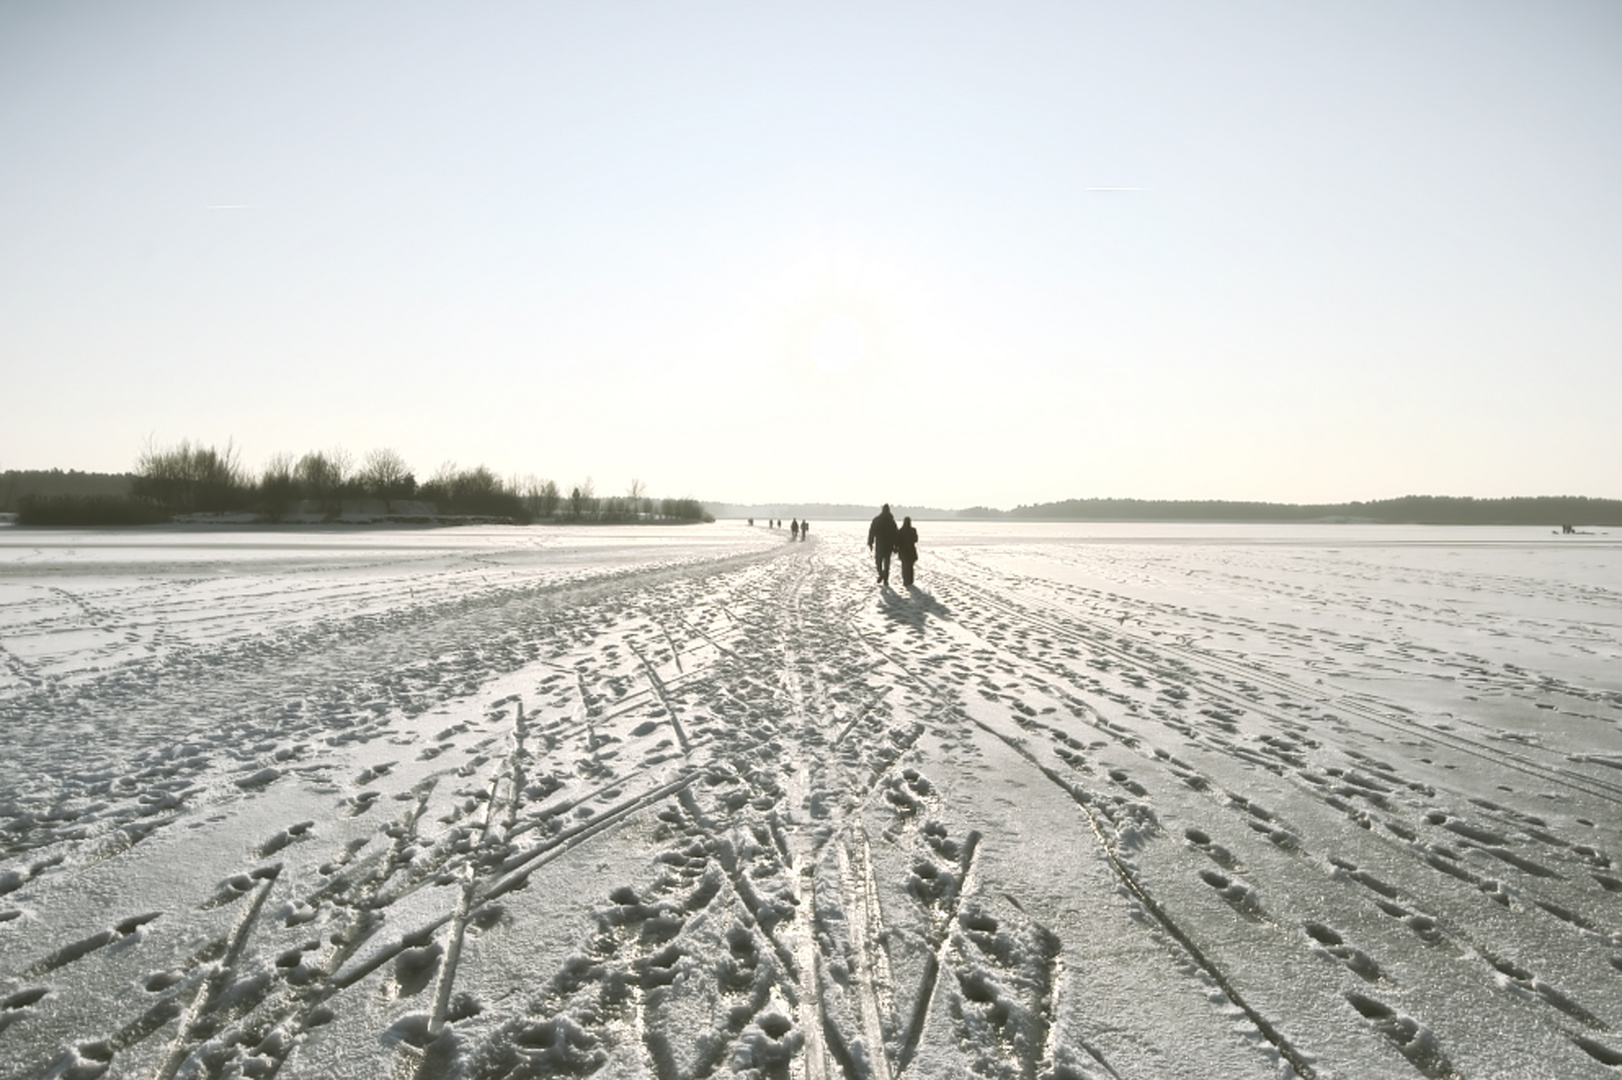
<point>805,529</point>
<point>906,546</point>
<point>881,539</point>
<point>794,529</point>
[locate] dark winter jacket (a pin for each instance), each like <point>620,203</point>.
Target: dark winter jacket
<point>881,534</point>
<point>906,543</point>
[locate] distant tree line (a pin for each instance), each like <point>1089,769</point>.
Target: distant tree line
<point>197,479</point>
<point>19,484</point>
<point>1409,510</point>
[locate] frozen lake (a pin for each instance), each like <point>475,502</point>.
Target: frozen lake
<point>1094,801</point>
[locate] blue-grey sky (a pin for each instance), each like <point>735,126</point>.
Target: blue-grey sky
<point>937,253</point>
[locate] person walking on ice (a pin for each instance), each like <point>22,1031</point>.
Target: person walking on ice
<point>906,546</point>
<point>881,541</point>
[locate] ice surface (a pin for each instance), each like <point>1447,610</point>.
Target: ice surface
<point>1092,801</point>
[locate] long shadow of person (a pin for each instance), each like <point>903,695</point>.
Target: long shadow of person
<point>913,608</point>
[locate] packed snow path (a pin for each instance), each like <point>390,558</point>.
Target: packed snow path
<point>685,803</point>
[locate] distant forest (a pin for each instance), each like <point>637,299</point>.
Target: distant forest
<point>1554,511</point>
<point>199,482</point>
<point>190,479</point>
<point>19,484</point>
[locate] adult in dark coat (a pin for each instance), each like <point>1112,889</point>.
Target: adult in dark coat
<point>881,540</point>
<point>906,546</point>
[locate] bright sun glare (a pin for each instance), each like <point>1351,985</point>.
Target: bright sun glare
<point>838,344</point>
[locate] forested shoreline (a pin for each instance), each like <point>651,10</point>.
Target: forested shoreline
<point>1408,510</point>
<point>190,482</point>
<point>319,485</point>
<point>1550,510</point>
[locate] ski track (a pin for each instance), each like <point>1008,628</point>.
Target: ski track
<point>682,810</point>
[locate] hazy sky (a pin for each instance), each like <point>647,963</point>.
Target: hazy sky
<point>935,253</point>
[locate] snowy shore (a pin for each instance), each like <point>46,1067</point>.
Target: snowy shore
<point>1094,801</point>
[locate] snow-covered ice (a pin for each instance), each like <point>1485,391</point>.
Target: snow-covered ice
<point>1093,801</point>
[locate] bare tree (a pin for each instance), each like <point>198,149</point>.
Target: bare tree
<point>540,496</point>
<point>385,475</point>
<point>277,487</point>
<point>476,484</point>
<point>187,477</point>
<point>475,491</point>
<point>444,476</point>
<point>582,500</point>
<point>10,489</point>
<point>323,475</point>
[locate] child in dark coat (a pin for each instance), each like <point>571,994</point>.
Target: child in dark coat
<point>906,546</point>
